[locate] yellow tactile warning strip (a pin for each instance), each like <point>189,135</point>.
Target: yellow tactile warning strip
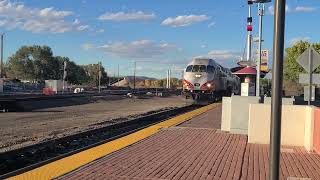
<point>65,165</point>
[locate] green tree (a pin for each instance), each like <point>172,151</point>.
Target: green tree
<point>20,65</point>
<point>292,69</point>
<point>38,63</point>
<point>92,73</point>
<point>32,63</point>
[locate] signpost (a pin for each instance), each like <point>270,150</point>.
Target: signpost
<point>310,61</point>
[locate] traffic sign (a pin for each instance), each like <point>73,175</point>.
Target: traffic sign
<point>309,60</point>
<point>303,59</point>
<point>304,78</point>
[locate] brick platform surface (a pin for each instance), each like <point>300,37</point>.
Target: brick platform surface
<point>196,150</point>
<point>211,119</point>
<point>188,153</point>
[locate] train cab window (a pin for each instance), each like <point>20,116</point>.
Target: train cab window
<point>199,68</point>
<point>189,68</point>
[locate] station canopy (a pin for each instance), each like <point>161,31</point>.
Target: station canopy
<point>246,70</point>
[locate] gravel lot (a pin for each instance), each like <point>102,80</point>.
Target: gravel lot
<point>25,128</point>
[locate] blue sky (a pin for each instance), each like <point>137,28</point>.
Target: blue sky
<point>157,34</point>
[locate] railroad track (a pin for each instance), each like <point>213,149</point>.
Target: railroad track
<point>10,103</point>
<point>21,160</point>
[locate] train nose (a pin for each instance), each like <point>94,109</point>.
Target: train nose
<point>187,85</point>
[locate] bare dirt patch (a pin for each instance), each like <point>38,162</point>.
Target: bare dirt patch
<point>20,129</point>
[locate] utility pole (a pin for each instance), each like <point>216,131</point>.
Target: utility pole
<point>118,75</point>
<point>99,76</point>
<point>64,76</point>
<point>261,14</point>
<point>109,80</point>
<point>134,75</point>
<point>169,78</point>
<point>277,79</point>
<point>1,60</point>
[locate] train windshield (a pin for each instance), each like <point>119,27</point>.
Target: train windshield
<point>196,68</point>
<point>189,68</point>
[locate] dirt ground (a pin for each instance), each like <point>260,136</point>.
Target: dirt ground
<point>25,128</point>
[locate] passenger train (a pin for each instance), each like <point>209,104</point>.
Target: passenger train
<point>205,79</point>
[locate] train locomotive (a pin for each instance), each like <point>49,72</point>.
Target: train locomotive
<point>206,80</point>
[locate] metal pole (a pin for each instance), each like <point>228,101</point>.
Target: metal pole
<point>109,80</point>
<point>1,60</point>
<point>169,78</point>
<point>261,14</point>
<point>277,79</point>
<point>249,38</point>
<point>118,75</point>
<point>64,75</point>
<point>134,75</point>
<point>310,76</point>
<point>99,77</point>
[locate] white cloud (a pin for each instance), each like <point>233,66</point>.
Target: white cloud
<point>137,49</point>
<point>305,9</point>
<point>203,46</point>
<point>18,16</point>
<point>76,22</point>
<point>130,16</point>
<point>297,39</point>
<point>293,10</point>
<point>100,31</point>
<point>224,54</point>
<point>83,27</point>
<point>211,25</point>
<point>185,20</point>
<point>87,46</point>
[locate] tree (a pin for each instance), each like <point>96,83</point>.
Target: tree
<point>20,65</point>
<point>147,83</point>
<point>32,63</point>
<point>92,73</point>
<point>292,69</point>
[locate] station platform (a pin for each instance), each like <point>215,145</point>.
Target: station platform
<point>196,149</point>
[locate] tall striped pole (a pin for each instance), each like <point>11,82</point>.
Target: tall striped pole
<point>249,30</point>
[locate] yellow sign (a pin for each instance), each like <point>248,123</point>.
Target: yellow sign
<point>264,60</point>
